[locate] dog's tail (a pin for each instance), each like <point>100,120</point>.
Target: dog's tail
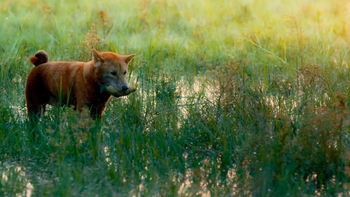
<point>40,57</point>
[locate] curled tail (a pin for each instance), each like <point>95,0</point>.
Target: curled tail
<point>40,57</point>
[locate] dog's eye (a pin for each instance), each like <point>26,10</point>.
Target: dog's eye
<point>125,73</point>
<point>114,73</point>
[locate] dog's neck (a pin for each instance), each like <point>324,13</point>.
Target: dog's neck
<point>90,79</point>
<point>88,73</point>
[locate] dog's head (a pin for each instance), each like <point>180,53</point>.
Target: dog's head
<point>111,71</point>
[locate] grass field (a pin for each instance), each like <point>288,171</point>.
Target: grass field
<point>246,98</point>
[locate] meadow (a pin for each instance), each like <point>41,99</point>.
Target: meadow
<point>234,98</point>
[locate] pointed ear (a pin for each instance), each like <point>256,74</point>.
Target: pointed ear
<point>128,58</point>
<point>97,58</point>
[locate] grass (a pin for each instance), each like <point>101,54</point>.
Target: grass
<point>246,98</point>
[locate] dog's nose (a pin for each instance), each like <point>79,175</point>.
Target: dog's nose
<point>125,88</point>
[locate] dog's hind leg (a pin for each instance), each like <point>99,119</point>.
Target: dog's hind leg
<point>43,107</point>
<point>34,111</point>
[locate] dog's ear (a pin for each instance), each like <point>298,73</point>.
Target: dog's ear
<point>97,58</point>
<point>128,58</point>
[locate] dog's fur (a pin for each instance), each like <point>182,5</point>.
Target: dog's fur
<point>75,83</point>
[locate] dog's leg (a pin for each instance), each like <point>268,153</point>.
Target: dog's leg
<point>96,111</point>
<point>43,106</point>
<point>34,111</point>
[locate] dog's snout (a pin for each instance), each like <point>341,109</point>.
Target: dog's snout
<point>125,88</point>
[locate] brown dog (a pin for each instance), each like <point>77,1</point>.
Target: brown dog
<point>81,84</point>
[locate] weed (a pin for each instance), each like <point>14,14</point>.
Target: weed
<point>92,41</point>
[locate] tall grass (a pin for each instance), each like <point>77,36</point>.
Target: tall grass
<point>246,98</point>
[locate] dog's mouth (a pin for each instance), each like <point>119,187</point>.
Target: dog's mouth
<point>114,92</point>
